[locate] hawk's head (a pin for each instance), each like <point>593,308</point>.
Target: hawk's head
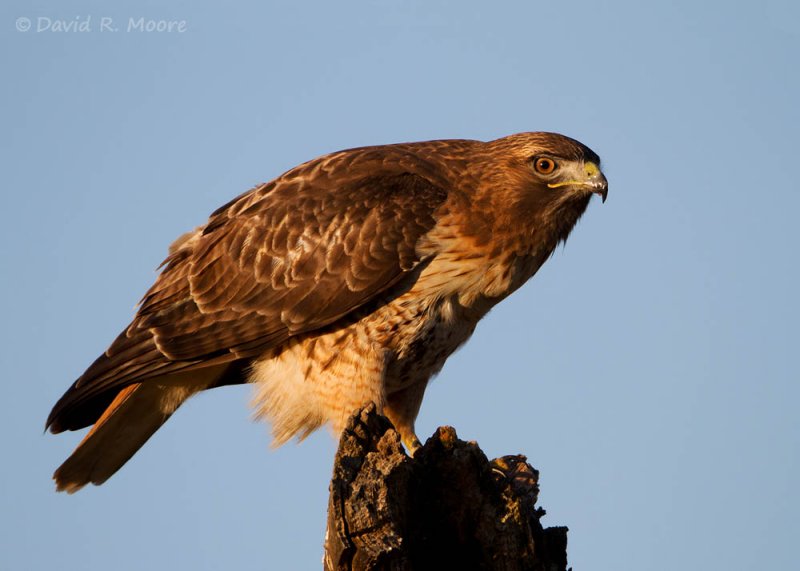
<point>554,165</point>
<point>535,187</point>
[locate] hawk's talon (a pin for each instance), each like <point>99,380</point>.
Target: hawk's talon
<point>412,444</point>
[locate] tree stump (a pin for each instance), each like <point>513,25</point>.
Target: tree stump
<point>448,507</point>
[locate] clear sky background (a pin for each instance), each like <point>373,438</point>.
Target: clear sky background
<point>649,370</point>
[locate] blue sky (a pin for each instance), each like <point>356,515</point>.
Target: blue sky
<point>649,370</point>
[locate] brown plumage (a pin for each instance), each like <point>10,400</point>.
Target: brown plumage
<point>349,279</point>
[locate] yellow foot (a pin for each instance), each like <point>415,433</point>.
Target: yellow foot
<point>411,443</point>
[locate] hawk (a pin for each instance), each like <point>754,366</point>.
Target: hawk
<point>347,280</point>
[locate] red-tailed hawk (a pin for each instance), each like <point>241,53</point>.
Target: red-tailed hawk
<point>349,279</point>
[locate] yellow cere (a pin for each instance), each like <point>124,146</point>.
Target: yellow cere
<point>589,168</point>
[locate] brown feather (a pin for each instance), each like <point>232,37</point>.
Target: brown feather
<point>133,416</point>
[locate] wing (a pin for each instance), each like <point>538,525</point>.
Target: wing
<point>288,257</point>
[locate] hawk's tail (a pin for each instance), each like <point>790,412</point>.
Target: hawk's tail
<point>133,416</point>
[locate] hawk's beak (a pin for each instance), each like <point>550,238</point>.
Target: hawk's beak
<point>593,179</point>
<point>600,187</point>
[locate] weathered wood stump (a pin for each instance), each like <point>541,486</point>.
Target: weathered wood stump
<point>448,507</point>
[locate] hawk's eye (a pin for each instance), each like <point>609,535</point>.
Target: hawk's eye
<point>543,165</point>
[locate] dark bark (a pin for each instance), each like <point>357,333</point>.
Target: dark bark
<point>446,508</point>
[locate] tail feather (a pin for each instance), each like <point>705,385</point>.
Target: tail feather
<point>133,416</point>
